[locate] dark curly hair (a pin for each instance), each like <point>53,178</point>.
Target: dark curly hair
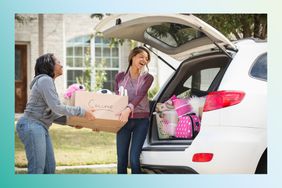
<point>45,65</point>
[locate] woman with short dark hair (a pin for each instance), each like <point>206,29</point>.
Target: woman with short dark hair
<point>42,109</point>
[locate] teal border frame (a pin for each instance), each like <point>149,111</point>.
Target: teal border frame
<point>7,175</point>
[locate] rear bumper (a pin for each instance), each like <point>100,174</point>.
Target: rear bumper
<point>235,150</point>
<point>153,169</point>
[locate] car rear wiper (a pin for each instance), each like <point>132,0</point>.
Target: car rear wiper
<point>223,50</point>
<point>160,58</point>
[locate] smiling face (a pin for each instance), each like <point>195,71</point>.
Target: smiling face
<point>140,60</point>
<point>58,68</point>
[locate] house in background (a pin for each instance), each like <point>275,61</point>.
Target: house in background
<point>70,38</point>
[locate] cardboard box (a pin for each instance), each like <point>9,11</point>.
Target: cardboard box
<point>107,110</point>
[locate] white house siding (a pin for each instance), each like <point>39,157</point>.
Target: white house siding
<point>44,34</point>
<point>51,40</point>
<point>48,33</point>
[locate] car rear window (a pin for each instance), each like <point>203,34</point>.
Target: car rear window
<point>173,34</point>
<point>198,83</point>
<point>259,68</point>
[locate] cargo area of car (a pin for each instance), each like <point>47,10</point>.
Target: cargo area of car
<point>177,113</point>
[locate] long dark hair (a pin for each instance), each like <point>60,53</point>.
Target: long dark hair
<point>45,65</point>
<point>134,52</point>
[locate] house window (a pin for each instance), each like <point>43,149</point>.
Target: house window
<point>95,54</point>
<point>107,60</point>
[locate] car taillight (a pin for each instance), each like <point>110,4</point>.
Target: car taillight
<point>221,99</point>
<point>202,157</point>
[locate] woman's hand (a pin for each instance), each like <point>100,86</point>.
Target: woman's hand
<point>124,115</point>
<point>89,114</point>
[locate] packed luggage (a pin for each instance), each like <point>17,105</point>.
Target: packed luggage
<point>179,118</point>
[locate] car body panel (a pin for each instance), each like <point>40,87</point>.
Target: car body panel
<point>227,159</point>
<point>236,135</point>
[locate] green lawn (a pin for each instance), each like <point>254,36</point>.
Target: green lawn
<point>76,147</point>
<point>82,171</point>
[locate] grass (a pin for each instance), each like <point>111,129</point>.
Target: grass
<point>81,171</point>
<point>75,147</point>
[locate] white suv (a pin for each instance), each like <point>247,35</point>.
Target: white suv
<point>231,75</point>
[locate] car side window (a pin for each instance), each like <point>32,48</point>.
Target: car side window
<point>259,68</point>
<point>200,80</point>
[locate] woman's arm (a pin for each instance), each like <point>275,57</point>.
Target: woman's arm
<point>118,78</point>
<point>48,91</point>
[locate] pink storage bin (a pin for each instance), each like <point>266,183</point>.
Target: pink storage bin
<point>170,128</point>
<point>161,123</point>
<point>171,116</point>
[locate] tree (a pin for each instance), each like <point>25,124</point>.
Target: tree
<point>100,76</point>
<point>23,19</point>
<point>240,25</point>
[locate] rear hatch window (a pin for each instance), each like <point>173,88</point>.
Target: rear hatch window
<point>172,34</point>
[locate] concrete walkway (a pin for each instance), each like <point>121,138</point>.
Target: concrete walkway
<point>77,167</point>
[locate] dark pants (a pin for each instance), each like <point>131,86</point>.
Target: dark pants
<point>137,129</point>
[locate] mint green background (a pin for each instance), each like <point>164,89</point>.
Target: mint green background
<point>9,8</point>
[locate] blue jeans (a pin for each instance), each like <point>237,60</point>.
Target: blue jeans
<point>137,129</point>
<point>38,146</point>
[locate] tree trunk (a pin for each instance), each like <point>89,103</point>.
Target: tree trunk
<point>264,31</point>
<point>236,34</point>
<point>260,26</point>
<point>257,26</point>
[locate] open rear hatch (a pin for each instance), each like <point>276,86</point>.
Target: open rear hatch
<point>177,35</point>
<point>180,36</point>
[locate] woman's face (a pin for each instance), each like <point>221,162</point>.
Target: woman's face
<point>140,60</point>
<point>58,69</point>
